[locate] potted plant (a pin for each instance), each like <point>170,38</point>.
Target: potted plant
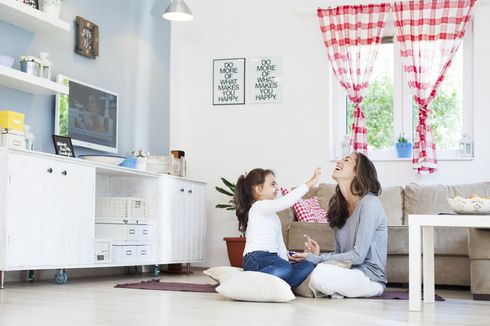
<point>235,245</point>
<point>404,147</point>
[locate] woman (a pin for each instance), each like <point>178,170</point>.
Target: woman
<point>358,221</point>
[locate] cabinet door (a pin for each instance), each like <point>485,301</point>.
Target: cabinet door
<point>73,215</point>
<point>193,220</point>
<point>29,211</point>
<point>170,233</point>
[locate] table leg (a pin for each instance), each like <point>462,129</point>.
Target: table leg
<point>428,263</point>
<point>414,268</point>
<point>2,279</point>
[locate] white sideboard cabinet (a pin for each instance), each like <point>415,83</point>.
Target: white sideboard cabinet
<point>47,212</point>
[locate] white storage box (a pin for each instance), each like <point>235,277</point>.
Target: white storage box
<point>132,253</point>
<point>121,207</point>
<point>124,232</point>
<point>103,251</point>
<point>13,141</point>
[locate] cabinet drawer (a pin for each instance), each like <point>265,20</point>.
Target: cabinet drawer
<point>123,232</point>
<point>124,254</point>
<point>143,253</point>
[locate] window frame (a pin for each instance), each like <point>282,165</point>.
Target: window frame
<point>402,99</point>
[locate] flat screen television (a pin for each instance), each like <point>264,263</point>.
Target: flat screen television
<point>88,115</point>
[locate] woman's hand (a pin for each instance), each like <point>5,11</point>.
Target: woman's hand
<point>311,246</point>
<point>314,179</point>
<point>298,257</point>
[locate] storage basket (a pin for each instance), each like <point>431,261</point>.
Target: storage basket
<point>121,207</point>
<point>12,120</point>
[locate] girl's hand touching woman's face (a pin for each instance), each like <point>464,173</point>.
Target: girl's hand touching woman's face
<point>345,169</point>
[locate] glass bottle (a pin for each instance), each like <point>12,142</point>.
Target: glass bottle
<point>29,138</point>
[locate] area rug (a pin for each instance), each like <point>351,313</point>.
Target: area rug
<point>155,284</point>
<point>401,295</point>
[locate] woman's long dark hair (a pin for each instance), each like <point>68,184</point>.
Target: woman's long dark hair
<point>366,180</point>
<point>243,198</point>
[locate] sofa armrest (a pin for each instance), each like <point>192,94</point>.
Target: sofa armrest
<point>479,243</point>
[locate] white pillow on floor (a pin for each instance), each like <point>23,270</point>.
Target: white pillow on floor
<point>255,286</point>
<point>221,273</point>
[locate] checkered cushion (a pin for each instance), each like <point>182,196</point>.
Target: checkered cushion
<point>308,210</point>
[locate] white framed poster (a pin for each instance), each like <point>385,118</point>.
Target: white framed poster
<point>229,81</point>
<point>264,80</point>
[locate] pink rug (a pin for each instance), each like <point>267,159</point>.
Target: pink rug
<point>400,295</point>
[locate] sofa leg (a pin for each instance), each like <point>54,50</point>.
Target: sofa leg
<point>483,297</point>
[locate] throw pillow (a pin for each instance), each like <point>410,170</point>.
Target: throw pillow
<point>303,290</point>
<point>221,273</point>
<point>255,286</point>
<point>308,210</point>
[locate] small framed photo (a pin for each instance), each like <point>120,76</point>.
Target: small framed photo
<point>63,146</point>
<point>87,38</point>
<point>229,81</point>
<point>31,3</point>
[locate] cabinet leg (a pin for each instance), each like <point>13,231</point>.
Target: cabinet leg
<point>2,278</point>
<point>188,268</point>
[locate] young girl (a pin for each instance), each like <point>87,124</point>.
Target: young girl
<point>358,220</point>
<point>256,207</point>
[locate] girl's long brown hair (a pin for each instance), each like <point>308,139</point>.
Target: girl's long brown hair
<point>366,180</point>
<point>243,198</point>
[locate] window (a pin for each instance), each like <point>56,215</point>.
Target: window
<point>389,108</point>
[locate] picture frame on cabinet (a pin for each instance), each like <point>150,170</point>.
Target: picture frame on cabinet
<point>87,38</point>
<point>31,3</point>
<point>63,146</point>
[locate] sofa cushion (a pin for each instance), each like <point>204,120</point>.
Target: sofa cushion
<point>448,241</point>
<point>320,232</point>
<point>422,199</point>
<point>392,200</point>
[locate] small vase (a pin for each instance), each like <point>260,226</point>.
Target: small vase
<point>404,150</point>
<point>141,163</point>
<point>51,7</point>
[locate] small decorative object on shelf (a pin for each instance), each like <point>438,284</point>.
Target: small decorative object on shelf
<point>178,164</point>
<point>403,147</point>
<point>31,3</point>
<point>30,65</point>
<point>45,65</point>
<point>51,7</point>
<point>465,145</point>
<point>63,146</point>
<point>87,38</point>
<point>141,158</point>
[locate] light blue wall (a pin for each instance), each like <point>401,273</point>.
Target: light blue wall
<point>133,61</point>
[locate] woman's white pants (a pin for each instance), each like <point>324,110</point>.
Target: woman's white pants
<point>327,279</point>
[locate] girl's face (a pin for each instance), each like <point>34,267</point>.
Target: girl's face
<point>267,190</point>
<point>345,169</point>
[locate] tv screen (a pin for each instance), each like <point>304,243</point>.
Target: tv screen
<point>88,115</point>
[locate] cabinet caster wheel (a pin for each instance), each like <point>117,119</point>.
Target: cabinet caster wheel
<point>31,276</point>
<point>61,277</point>
<point>156,270</point>
<point>132,270</point>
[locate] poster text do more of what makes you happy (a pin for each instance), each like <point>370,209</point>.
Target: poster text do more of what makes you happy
<point>229,81</point>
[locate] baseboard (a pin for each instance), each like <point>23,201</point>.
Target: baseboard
<point>482,297</point>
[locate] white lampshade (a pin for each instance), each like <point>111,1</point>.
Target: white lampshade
<point>178,11</point>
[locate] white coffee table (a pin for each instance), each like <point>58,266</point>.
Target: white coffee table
<point>426,223</point>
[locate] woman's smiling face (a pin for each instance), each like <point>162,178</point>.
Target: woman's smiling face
<point>345,169</point>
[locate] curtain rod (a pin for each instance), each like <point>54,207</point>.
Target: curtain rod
<point>311,11</point>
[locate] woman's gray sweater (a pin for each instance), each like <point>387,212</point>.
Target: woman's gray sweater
<point>363,240</point>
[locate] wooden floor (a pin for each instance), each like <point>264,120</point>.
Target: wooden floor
<point>94,301</point>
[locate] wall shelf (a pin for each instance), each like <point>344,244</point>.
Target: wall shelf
<point>31,19</point>
<point>21,81</point>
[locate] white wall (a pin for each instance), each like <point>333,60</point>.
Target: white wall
<point>292,137</point>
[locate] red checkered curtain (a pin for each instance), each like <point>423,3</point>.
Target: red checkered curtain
<point>352,35</point>
<point>429,33</point>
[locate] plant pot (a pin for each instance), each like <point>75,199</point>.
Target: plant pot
<point>235,246</point>
<point>404,150</point>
